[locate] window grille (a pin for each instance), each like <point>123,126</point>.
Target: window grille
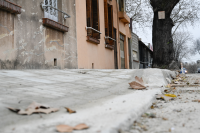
<point>49,12</point>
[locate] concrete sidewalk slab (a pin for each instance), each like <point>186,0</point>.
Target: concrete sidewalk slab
<point>102,98</point>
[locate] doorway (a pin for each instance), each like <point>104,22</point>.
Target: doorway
<point>130,53</point>
<point>122,51</point>
<point>115,49</point>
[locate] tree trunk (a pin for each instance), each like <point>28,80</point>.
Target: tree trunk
<point>162,33</point>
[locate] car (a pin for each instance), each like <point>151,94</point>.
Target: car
<point>198,70</point>
<point>184,71</point>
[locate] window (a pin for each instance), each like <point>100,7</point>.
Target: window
<point>93,27</point>
<point>121,5</point>
<point>108,14</point>
<point>50,12</point>
<point>135,57</point>
<point>122,54</point>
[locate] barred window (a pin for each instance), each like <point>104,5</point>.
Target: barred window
<point>50,12</point>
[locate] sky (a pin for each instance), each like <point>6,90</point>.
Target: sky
<point>146,37</point>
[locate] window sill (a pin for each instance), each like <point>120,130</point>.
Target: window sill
<point>10,7</point>
<point>109,46</point>
<point>93,40</point>
<point>136,61</point>
<point>55,25</point>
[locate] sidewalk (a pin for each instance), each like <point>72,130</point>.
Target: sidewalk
<point>102,98</point>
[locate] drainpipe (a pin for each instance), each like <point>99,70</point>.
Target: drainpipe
<point>117,32</point>
<point>131,26</point>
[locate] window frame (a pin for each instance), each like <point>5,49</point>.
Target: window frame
<point>50,12</point>
<point>108,21</point>
<point>92,17</point>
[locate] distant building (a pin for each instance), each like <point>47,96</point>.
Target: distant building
<point>134,52</point>
<point>198,63</point>
<point>146,56</point>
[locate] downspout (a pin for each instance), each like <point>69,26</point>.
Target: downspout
<point>118,35</point>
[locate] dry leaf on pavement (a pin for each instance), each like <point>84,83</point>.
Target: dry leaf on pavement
<point>69,110</point>
<point>64,128</point>
<point>164,118</point>
<point>170,95</point>
<point>34,108</point>
<point>35,105</point>
<point>81,127</point>
<point>14,110</point>
<point>163,97</point>
<point>31,111</point>
<point>196,101</point>
<point>138,84</point>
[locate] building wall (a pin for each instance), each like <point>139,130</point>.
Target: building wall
<point>26,44</point>
<point>90,53</point>
<point>135,49</point>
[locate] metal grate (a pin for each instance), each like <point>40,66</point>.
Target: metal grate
<point>50,12</point>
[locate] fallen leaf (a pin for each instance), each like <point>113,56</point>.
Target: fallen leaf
<point>152,106</point>
<point>35,105</point>
<point>196,101</point>
<point>139,80</point>
<point>31,111</point>
<point>14,110</point>
<point>170,95</point>
<point>138,84</point>
<point>64,128</point>
<point>34,108</point>
<point>69,110</point>
<point>166,91</point>
<point>81,127</point>
<point>163,97</point>
<point>164,118</point>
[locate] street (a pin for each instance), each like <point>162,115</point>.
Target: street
<point>178,116</point>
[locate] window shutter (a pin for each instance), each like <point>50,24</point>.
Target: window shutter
<point>89,17</point>
<point>95,18</point>
<point>110,16</point>
<point>106,17</point>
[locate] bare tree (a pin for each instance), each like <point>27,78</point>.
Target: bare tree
<point>178,13</point>
<point>140,12</point>
<point>196,46</point>
<point>180,45</point>
<point>185,12</point>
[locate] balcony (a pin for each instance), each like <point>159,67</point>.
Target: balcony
<point>109,42</point>
<point>55,25</point>
<point>10,7</point>
<point>124,17</point>
<point>93,35</point>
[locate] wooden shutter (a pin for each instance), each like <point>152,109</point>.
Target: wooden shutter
<point>89,16</point>
<point>106,17</point>
<point>95,18</point>
<point>110,22</point>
